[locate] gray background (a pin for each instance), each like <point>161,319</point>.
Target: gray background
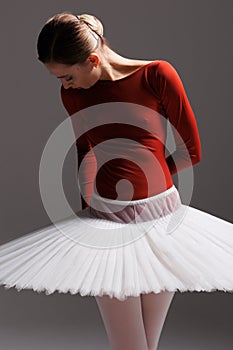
<point>196,37</point>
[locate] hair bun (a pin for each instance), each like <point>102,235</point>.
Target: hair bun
<point>93,23</point>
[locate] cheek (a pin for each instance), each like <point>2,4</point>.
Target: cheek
<point>94,76</point>
<point>87,78</point>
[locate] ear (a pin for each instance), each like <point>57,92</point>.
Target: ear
<point>94,59</point>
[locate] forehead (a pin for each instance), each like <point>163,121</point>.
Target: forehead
<point>60,70</point>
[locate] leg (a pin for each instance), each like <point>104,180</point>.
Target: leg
<point>154,312</point>
<point>123,322</point>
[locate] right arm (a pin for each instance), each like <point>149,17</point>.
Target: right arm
<point>87,172</point>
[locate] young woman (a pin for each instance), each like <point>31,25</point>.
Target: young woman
<point>134,243</point>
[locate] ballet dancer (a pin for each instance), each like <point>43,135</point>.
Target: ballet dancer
<point>119,248</point>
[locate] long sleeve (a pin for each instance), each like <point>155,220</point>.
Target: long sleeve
<point>177,108</point>
<point>87,172</point>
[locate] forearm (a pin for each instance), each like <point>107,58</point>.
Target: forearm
<point>87,168</point>
<point>175,163</point>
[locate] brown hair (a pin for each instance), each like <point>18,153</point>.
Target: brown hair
<point>67,38</point>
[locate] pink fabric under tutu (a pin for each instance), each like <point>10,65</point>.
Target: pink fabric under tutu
<point>123,249</point>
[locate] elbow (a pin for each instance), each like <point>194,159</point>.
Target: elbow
<point>196,153</point>
<point>197,157</point>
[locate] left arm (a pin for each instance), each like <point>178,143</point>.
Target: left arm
<point>180,114</point>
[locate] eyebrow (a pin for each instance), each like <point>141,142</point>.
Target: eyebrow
<point>63,76</point>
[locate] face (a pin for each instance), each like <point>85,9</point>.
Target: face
<point>78,75</point>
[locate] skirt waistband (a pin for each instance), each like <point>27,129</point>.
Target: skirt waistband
<point>139,210</point>
<point>165,193</point>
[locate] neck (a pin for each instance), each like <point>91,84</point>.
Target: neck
<point>113,65</point>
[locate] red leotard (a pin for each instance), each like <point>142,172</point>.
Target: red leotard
<point>158,87</point>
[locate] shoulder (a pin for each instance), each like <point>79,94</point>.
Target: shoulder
<point>65,92</point>
<point>162,68</point>
<point>163,74</point>
<point>68,100</point>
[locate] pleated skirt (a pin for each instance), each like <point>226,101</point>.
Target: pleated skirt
<point>124,248</point>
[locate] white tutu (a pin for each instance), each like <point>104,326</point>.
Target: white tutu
<point>123,249</point>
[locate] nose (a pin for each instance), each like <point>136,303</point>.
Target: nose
<point>66,85</point>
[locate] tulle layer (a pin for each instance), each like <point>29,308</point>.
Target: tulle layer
<point>151,245</point>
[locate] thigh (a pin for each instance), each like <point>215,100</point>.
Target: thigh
<point>123,322</point>
<point>154,312</point>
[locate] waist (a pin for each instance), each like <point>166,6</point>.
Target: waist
<point>144,209</point>
<point>97,197</point>
<point>115,182</point>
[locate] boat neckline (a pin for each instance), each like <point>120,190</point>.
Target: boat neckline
<point>126,77</point>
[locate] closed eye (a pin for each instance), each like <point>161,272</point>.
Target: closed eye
<point>69,78</point>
